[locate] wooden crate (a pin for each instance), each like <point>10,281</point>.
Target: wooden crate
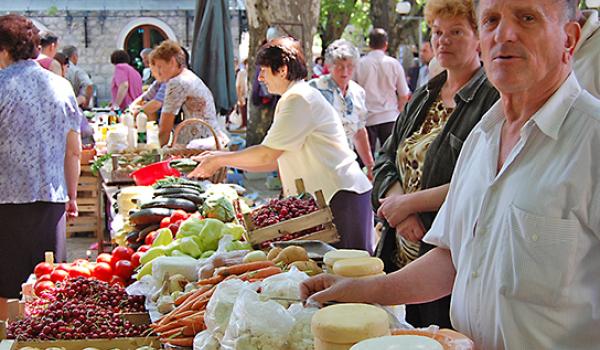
<point>88,202</point>
<point>321,217</point>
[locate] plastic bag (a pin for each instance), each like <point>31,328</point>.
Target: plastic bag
<point>172,265</point>
<point>221,258</point>
<point>220,306</point>
<point>301,337</point>
<point>285,285</point>
<point>256,324</point>
<point>205,341</point>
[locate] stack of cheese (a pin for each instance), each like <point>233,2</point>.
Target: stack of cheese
<point>399,342</point>
<point>339,327</point>
<point>128,198</point>
<point>353,263</point>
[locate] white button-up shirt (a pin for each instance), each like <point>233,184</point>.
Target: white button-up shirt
<point>586,62</point>
<point>384,80</point>
<point>525,241</point>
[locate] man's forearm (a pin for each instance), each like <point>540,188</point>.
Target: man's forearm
<point>428,278</point>
<point>401,102</point>
<point>428,200</point>
<point>121,92</point>
<point>72,163</point>
<point>89,90</point>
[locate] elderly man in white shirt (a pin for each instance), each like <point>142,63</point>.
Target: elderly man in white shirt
<point>586,62</point>
<point>519,234</point>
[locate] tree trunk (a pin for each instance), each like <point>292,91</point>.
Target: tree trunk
<point>295,18</point>
<point>336,21</point>
<point>400,31</point>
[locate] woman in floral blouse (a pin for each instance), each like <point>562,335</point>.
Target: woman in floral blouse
<point>39,152</point>
<point>347,97</point>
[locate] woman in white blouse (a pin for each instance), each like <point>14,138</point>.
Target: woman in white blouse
<point>306,140</point>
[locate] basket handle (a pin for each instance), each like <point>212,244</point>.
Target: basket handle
<point>195,121</point>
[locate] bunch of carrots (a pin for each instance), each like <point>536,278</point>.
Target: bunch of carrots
<point>185,321</point>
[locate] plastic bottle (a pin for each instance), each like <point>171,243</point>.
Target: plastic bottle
<point>152,130</point>
<point>141,121</point>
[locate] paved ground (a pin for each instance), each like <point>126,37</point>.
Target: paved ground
<point>77,247</point>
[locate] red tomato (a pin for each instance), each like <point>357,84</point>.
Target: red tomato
<point>117,280</point>
<point>45,277</point>
<point>122,253</point>
<point>79,271</point>
<point>103,272</point>
<point>104,257</point>
<point>63,267</point>
<point>124,269</point>
<point>178,215</point>
<point>174,228</point>
<point>59,275</point>
<point>165,222</point>
<point>135,259</point>
<point>143,249</point>
<point>80,262</point>
<point>150,238</point>
<point>39,287</point>
<point>43,268</point>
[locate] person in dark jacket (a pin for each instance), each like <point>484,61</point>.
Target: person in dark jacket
<point>415,167</point>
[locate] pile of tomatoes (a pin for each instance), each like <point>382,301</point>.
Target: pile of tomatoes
<point>115,268</point>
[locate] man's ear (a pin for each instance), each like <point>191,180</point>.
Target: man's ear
<point>573,34</point>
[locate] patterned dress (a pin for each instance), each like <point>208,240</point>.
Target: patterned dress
<point>410,159</point>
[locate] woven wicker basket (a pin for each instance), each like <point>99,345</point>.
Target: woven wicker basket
<point>185,132</point>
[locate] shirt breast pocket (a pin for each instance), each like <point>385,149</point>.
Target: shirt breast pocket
<point>538,256</point>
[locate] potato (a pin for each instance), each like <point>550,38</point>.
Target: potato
<point>310,267</point>
<point>273,253</point>
<point>291,254</point>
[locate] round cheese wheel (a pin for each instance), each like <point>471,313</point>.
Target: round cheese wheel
<point>399,342</point>
<point>324,345</point>
<point>349,323</point>
<point>331,257</point>
<point>358,267</point>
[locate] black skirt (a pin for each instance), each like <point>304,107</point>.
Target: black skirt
<point>27,231</point>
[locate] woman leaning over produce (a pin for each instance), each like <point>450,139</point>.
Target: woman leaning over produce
<point>306,140</point>
<point>414,170</point>
<point>39,152</point>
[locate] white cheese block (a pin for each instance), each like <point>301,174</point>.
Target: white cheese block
<point>331,257</point>
<point>349,323</point>
<point>399,342</point>
<point>358,267</point>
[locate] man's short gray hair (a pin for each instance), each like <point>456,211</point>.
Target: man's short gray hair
<point>69,51</point>
<point>341,50</point>
<point>570,6</point>
<point>145,52</point>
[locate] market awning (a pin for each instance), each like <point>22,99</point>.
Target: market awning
<point>212,51</point>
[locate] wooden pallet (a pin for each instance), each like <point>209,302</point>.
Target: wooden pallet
<point>88,202</point>
<point>321,217</point>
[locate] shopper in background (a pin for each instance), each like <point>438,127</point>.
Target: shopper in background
<point>62,59</point>
<point>147,77</point>
<point>39,152</point>
<point>306,141</point>
<point>152,100</point>
<point>241,87</point>
<point>126,83</point>
<point>587,52</point>
<point>185,91</point>
<point>49,48</point>
<point>79,79</point>
<point>319,67</point>
<point>416,163</point>
<point>385,85</point>
<point>347,97</point>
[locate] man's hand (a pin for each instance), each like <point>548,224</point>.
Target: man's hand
<point>71,209</point>
<point>208,164</point>
<point>325,287</point>
<point>411,228</point>
<point>370,173</point>
<point>395,209</point>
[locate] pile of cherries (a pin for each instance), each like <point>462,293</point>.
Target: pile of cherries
<point>278,210</point>
<point>80,309</point>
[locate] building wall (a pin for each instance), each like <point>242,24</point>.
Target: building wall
<point>103,31</point>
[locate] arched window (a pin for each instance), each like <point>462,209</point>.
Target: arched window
<point>141,37</point>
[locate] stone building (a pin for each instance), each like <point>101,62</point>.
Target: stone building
<point>98,27</point>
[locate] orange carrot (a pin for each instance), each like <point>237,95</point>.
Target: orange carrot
<point>242,268</point>
<point>189,331</point>
<point>188,341</point>
<point>200,305</point>
<point>212,280</point>
<point>262,273</point>
<point>183,298</point>
<point>185,306</point>
<point>170,329</point>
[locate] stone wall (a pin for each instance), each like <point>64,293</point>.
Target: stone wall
<point>104,28</point>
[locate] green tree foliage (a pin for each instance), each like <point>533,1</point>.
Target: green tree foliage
<point>336,15</point>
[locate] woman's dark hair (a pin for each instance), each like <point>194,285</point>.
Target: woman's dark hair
<point>283,52</point>
<point>119,56</point>
<point>47,39</point>
<point>19,37</point>
<point>61,58</point>
<point>187,57</point>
